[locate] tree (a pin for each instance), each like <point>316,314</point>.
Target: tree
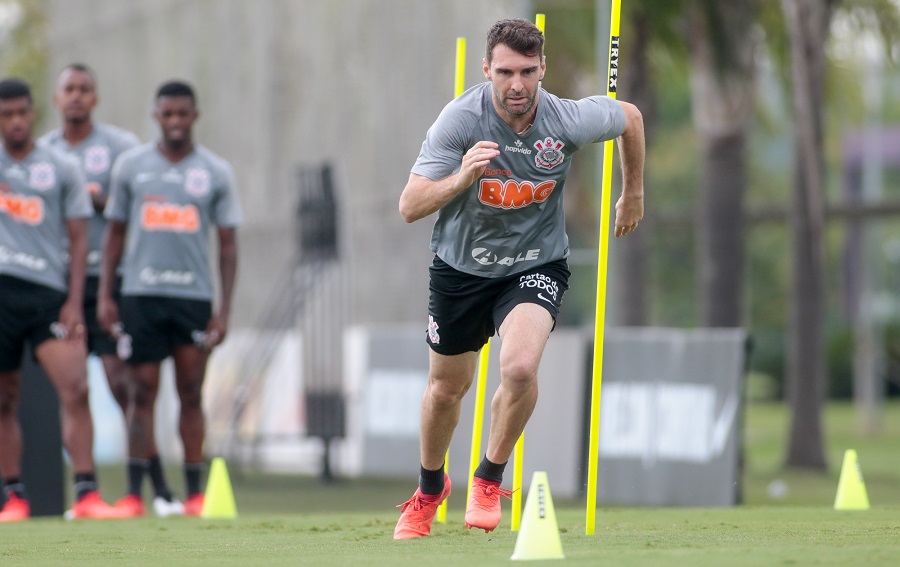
<point>807,24</point>
<point>722,49</point>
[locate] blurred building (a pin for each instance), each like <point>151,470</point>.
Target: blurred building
<point>285,84</point>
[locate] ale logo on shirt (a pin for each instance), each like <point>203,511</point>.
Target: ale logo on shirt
<point>96,159</point>
<point>196,182</point>
<point>549,153</point>
<point>41,176</point>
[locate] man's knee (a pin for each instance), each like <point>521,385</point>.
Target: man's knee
<point>446,393</point>
<point>519,374</point>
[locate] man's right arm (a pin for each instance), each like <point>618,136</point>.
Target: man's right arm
<point>423,196</point>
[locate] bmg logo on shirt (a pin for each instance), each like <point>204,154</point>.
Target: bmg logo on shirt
<point>512,194</point>
<point>29,210</point>
<point>170,217</point>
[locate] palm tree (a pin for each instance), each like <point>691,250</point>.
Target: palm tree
<point>807,24</point>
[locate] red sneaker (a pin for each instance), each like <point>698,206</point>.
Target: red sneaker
<point>483,510</point>
<point>15,510</point>
<point>131,505</point>
<point>417,513</point>
<point>92,506</point>
<point>193,505</point>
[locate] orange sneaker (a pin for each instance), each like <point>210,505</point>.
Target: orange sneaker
<point>131,505</point>
<point>483,510</point>
<point>417,513</point>
<point>92,506</point>
<point>15,510</point>
<point>193,504</point>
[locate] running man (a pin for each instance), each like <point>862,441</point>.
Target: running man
<point>43,202</point>
<point>165,198</point>
<point>96,146</point>
<point>493,166</point>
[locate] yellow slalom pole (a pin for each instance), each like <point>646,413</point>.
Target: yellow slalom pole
<point>459,85</point>
<point>518,455</point>
<point>602,261</point>
<point>478,417</point>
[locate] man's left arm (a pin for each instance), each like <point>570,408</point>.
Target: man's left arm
<point>630,206</point>
<point>218,325</point>
<point>71,316</point>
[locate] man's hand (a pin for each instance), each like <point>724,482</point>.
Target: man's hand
<point>71,321</point>
<point>629,211</point>
<point>474,162</point>
<point>108,314</point>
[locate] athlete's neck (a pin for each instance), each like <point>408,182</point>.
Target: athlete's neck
<point>18,151</point>
<point>520,124</point>
<point>175,152</point>
<point>76,131</point>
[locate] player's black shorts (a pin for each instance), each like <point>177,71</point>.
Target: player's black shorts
<point>27,312</point>
<point>158,324</point>
<point>464,310</point>
<point>98,341</point>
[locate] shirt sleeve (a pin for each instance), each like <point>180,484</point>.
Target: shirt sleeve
<point>119,204</point>
<point>445,144</point>
<point>593,119</point>
<point>76,200</point>
<point>227,208</point>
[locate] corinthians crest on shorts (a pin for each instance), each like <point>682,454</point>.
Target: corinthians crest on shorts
<point>549,153</point>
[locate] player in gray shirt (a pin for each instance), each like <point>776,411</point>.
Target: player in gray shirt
<point>165,199</point>
<point>493,166</point>
<point>96,146</point>
<point>43,202</point>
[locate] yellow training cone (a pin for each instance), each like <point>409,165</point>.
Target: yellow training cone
<point>851,492</point>
<point>539,534</point>
<point>219,499</point>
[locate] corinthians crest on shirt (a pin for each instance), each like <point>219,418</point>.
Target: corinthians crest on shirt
<point>96,159</point>
<point>196,182</point>
<point>41,176</point>
<point>549,153</point>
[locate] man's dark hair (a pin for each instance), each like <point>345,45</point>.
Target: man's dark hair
<point>14,88</point>
<point>519,35</point>
<point>176,88</point>
<point>81,67</point>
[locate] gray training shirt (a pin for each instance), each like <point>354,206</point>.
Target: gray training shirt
<point>170,209</point>
<point>37,196</point>
<point>512,218</point>
<point>96,155</point>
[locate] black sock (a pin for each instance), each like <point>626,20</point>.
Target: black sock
<point>490,471</point>
<point>14,486</point>
<point>192,472</point>
<point>84,483</point>
<point>137,468</point>
<point>158,478</point>
<point>431,482</point>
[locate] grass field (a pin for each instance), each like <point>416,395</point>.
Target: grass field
<point>301,521</point>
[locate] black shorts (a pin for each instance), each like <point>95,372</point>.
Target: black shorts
<point>27,313</point>
<point>99,341</point>
<point>464,310</point>
<point>157,325</point>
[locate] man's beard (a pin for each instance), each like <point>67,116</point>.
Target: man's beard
<point>525,109</point>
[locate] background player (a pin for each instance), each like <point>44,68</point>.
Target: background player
<point>96,146</point>
<point>43,202</point>
<point>165,198</point>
